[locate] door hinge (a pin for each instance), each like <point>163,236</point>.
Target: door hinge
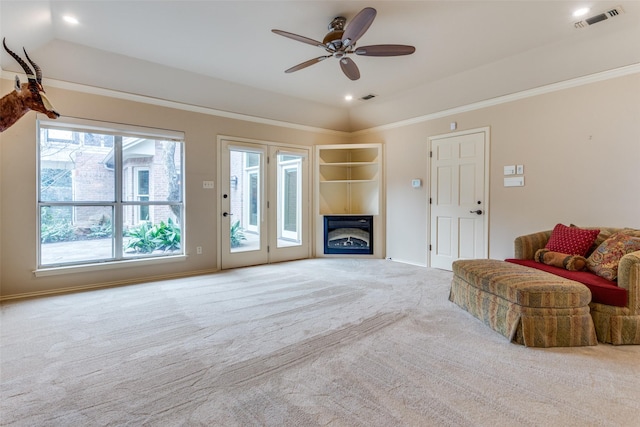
<point>267,205</point>
<point>267,248</point>
<point>430,200</point>
<point>430,153</point>
<point>429,248</point>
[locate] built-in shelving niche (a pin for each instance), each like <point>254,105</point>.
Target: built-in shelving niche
<point>348,182</point>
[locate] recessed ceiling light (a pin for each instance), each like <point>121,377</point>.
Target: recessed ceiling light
<point>580,12</point>
<point>348,97</point>
<point>70,20</point>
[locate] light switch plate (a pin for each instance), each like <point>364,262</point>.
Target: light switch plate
<point>207,184</point>
<point>520,169</point>
<point>510,170</point>
<point>416,183</point>
<point>517,181</point>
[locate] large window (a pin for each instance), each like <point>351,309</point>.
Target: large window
<point>108,193</point>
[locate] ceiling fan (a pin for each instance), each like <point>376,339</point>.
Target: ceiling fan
<point>340,42</point>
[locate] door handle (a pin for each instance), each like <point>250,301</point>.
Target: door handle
<point>479,212</point>
<point>226,214</point>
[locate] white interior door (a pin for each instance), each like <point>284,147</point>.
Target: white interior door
<point>459,194</point>
<point>264,202</point>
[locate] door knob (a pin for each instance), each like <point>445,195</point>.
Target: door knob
<point>479,212</point>
<point>226,214</point>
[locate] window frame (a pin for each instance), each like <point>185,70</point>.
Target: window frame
<point>137,195</point>
<point>119,202</point>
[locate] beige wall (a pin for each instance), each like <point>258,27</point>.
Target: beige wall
<point>18,185</point>
<point>580,148</point>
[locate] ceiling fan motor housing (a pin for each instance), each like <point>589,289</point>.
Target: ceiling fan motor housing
<point>333,39</point>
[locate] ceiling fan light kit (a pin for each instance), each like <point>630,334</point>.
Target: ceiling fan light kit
<point>340,42</point>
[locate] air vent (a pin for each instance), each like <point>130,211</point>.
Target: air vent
<point>611,13</point>
<point>368,97</point>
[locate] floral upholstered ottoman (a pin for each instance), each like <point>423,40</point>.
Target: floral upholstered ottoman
<point>528,306</point>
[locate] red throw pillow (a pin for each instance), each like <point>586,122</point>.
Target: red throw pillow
<point>571,240</point>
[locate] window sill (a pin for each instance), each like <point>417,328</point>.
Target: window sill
<point>84,268</point>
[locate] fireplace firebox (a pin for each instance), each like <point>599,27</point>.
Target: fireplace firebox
<point>348,234</point>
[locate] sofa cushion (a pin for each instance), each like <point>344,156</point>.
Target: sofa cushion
<point>603,291</point>
<point>571,240</point>
<point>525,287</point>
<point>605,259</point>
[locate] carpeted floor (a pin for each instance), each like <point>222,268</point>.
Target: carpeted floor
<point>338,342</point>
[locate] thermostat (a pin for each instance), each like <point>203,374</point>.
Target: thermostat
<point>416,183</point>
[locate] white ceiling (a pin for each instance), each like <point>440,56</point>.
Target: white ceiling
<point>223,55</point>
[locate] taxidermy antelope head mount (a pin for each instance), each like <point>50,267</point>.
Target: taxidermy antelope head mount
<point>26,96</point>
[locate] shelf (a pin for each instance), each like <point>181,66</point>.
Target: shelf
<point>347,181</point>
<point>348,154</point>
<point>350,164</point>
<point>348,172</point>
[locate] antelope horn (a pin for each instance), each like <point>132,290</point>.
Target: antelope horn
<point>37,69</point>
<point>23,64</point>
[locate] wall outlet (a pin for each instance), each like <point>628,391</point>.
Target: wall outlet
<point>207,184</point>
<point>199,250</point>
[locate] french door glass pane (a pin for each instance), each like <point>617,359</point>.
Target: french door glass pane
<point>289,200</point>
<point>245,188</point>
<point>290,193</point>
<point>253,199</point>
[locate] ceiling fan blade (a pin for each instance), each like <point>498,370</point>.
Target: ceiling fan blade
<point>358,26</point>
<point>298,38</point>
<point>385,50</point>
<point>306,64</point>
<point>349,68</point>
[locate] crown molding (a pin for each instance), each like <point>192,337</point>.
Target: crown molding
<point>144,99</point>
<point>554,87</point>
<point>580,81</point>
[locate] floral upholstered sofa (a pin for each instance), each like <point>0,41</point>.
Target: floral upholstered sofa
<point>610,269</point>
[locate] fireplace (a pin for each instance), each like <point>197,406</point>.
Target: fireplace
<point>348,235</point>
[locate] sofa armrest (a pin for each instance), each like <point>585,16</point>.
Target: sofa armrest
<point>629,278</point>
<point>526,246</point>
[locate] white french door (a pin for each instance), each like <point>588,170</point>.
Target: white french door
<point>459,197</point>
<point>264,202</point>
